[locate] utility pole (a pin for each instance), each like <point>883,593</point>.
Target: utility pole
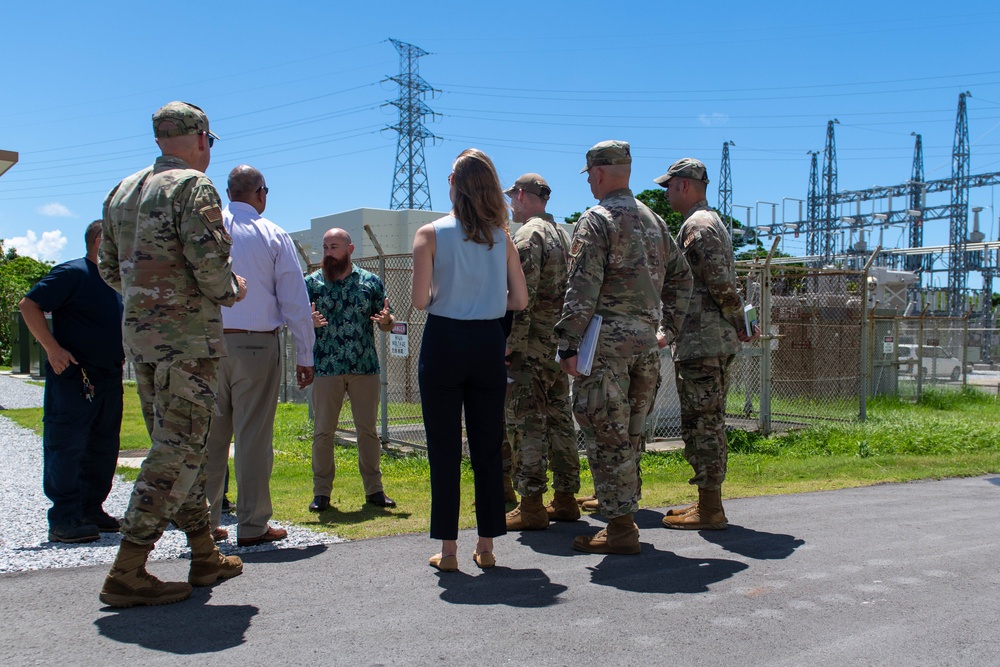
<point>829,248</point>
<point>813,206</point>
<point>726,187</point>
<point>959,211</point>
<point>409,182</point>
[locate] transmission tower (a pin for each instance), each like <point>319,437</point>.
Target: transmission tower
<point>726,187</point>
<point>959,210</point>
<point>829,247</point>
<point>813,206</point>
<point>409,183</point>
<point>915,262</point>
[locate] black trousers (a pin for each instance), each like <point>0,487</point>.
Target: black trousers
<point>462,367</point>
<point>80,441</point>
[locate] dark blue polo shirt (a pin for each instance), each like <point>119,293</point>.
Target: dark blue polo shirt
<point>86,314</point>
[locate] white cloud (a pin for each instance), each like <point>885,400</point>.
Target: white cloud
<point>44,249</point>
<point>714,119</point>
<point>55,210</point>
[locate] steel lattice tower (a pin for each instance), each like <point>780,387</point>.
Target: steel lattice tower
<point>409,183</point>
<point>829,243</point>
<point>915,262</point>
<point>959,210</point>
<point>813,207</point>
<point>726,187</point>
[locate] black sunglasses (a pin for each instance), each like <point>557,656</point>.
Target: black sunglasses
<point>263,187</point>
<point>211,139</point>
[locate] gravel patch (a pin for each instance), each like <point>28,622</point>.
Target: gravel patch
<point>24,528</point>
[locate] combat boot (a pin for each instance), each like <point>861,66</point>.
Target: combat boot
<point>208,565</point>
<point>588,503</point>
<point>129,585</point>
<point>529,515</point>
<point>706,515</point>
<point>509,495</point>
<point>563,507</point>
<point>681,511</point>
<point>620,537</point>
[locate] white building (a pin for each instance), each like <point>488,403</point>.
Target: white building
<point>393,229</point>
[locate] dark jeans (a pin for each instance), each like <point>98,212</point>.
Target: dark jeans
<point>462,366</point>
<point>80,442</point>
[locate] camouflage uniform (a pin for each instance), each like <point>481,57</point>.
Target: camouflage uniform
<point>539,422</point>
<point>166,251</point>
<point>625,267</point>
<point>707,343</point>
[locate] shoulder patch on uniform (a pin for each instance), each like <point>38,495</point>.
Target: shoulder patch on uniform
<point>577,246</point>
<point>212,213</point>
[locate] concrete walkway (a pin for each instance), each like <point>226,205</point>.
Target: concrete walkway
<point>888,575</point>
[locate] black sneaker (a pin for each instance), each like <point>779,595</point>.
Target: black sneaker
<point>105,522</point>
<point>74,533</point>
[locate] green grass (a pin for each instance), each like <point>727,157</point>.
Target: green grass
<point>949,434</point>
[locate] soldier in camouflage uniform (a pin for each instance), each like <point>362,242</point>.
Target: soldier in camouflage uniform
<point>625,267</point>
<point>539,422</point>
<point>706,344</point>
<point>166,251</point>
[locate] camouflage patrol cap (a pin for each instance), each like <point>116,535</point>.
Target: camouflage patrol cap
<point>686,167</point>
<point>532,183</point>
<point>607,153</point>
<point>179,118</point>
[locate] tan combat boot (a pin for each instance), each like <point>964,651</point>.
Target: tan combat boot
<point>529,515</point>
<point>620,537</point>
<point>129,585</point>
<point>208,565</point>
<point>587,503</point>
<point>509,495</point>
<point>681,511</point>
<point>707,514</point>
<point>563,507</point>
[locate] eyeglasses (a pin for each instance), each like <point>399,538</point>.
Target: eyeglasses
<point>263,187</point>
<point>211,139</point>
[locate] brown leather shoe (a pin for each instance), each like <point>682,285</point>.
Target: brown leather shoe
<point>272,534</point>
<point>220,534</point>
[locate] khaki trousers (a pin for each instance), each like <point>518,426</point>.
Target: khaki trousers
<point>328,399</point>
<point>249,379</point>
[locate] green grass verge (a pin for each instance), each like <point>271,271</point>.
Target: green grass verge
<point>949,434</point>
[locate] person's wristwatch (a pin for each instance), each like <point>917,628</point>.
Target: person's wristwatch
<point>568,354</point>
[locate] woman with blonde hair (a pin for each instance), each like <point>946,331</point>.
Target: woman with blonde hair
<point>466,274</point>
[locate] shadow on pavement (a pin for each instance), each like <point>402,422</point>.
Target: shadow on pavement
<point>529,588</point>
<point>186,628</point>
<point>278,555</point>
<point>994,481</point>
<point>664,572</point>
<point>754,543</point>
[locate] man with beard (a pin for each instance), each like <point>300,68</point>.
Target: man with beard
<point>347,299</point>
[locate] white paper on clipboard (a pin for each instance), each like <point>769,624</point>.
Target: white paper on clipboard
<point>588,345</point>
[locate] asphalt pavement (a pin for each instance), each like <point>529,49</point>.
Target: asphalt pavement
<point>901,574</point>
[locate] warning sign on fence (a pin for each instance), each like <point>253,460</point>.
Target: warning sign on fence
<point>399,342</point>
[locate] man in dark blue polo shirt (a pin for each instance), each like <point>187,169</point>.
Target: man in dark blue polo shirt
<point>83,391</point>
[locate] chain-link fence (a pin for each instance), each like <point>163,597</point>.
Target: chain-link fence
<point>823,352</point>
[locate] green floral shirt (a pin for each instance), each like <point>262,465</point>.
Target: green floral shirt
<point>346,345</point>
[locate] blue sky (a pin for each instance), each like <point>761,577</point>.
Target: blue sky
<point>299,91</point>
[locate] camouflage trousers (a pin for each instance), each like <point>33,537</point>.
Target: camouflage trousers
<point>178,399</point>
<point>611,404</point>
<point>702,384</point>
<point>540,427</point>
